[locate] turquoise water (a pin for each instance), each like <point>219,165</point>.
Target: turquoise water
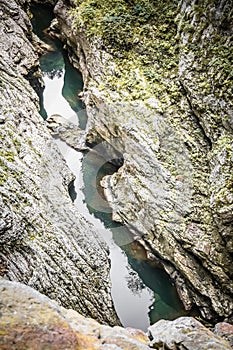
<point>165,302</point>
<point>60,78</point>
<point>142,292</point>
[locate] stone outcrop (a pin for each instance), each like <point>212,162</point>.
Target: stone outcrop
<point>67,131</point>
<point>184,333</point>
<point>30,320</point>
<point>44,241</point>
<point>157,88</point>
<point>224,330</point>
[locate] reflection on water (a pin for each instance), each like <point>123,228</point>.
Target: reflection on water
<point>142,292</point>
<point>146,276</point>
<point>59,97</point>
<point>132,298</point>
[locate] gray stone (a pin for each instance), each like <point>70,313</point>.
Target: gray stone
<point>30,320</point>
<point>67,131</point>
<point>174,189</point>
<point>44,241</point>
<point>184,333</point>
<point>225,331</point>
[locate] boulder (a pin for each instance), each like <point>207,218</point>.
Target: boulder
<point>184,333</point>
<point>31,321</point>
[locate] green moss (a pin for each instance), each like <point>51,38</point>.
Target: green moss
<point>140,35</point>
<point>114,23</point>
<point>5,156</point>
<point>3,178</point>
<point>213,55</point>
<point>17,144</point>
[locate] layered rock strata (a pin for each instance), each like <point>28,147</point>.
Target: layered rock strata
<point>44,241</point>
<point>157,88</point>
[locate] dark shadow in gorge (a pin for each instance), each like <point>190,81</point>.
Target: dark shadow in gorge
<point>55,62</point>
<point>166,303</point>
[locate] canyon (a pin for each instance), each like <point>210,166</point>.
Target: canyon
<point>171,120</point>
<point>158,97</point>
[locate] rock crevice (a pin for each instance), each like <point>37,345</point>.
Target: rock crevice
<point>44,241</point>
<point>176,180</point>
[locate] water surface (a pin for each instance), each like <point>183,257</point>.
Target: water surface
<point>142,293</point>
<point>62,82</point>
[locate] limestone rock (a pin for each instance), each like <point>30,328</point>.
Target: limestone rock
<point>44,241</point>
<point>172,121</point>
<point>184,333</point>
<point>67,131</point>
<point>225,331</point>
<point>29,320</point>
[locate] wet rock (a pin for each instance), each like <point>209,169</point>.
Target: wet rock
<point>44,241</point>
<point>184,333</point>
<point>67,131</point>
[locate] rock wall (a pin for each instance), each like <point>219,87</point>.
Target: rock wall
<point>44,241</point>
<point>205,32</point>
<point>157,88</point>
<point>29,320</point>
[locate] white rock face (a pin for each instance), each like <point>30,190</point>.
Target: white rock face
<point>174,188</point>
<point>44,241</point>
<point>185,333</point>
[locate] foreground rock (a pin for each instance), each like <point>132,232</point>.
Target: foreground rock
<point>29,320</point>
<point>185,333</point>
<point>44,241</point>
<point>152,91</point>
<point>224,330</point>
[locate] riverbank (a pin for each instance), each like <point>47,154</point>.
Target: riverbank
<point>55,256</point>
<point>168,189</point>
<point>44,241</point>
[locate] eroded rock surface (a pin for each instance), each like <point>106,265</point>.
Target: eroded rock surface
<point>67,131</point>
<point>44,241</point>
<point>157,87</point>
<point>225,331</point>
<point>184,333</point>
<point>30,320</point>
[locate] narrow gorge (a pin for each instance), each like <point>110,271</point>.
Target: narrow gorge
<point>153,149</point>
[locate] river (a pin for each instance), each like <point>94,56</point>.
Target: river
<point>142,293</point>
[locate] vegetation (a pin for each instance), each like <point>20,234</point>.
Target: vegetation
<point>210,41</point>
<point>141,35</point>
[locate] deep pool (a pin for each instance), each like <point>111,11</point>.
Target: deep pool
<point>142,293</point>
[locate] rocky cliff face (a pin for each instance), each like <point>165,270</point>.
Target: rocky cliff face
<point>29,320</point>
<point>44,241</point>
<point>157,88</point>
